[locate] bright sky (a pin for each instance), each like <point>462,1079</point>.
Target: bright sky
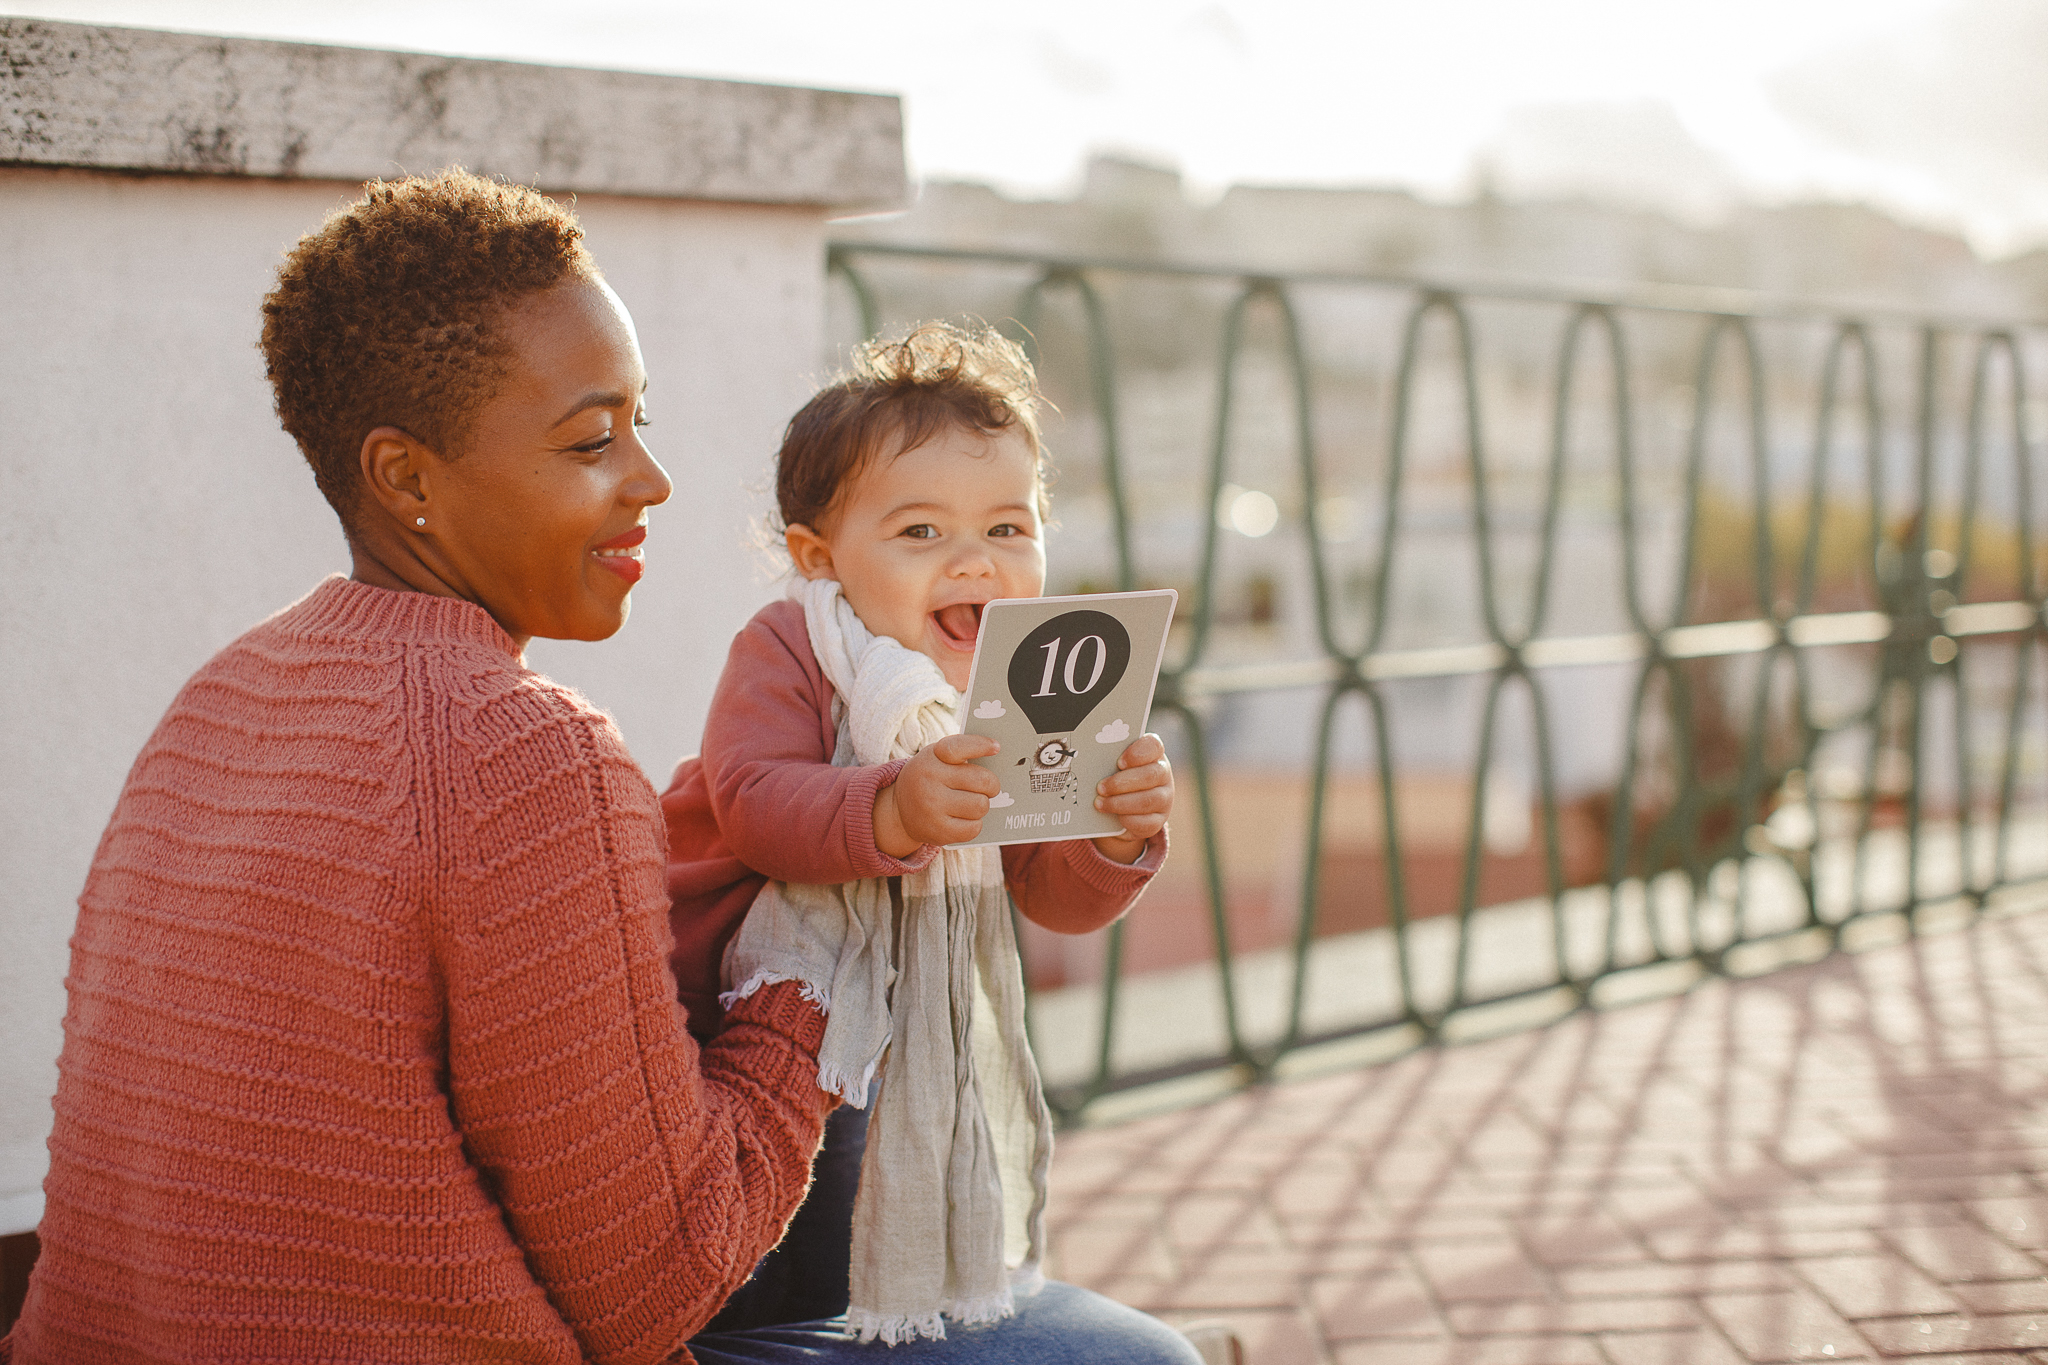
<point>1660,97</point>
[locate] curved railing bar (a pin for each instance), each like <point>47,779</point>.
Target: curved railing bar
<point>1397,454</point>
<point>1624,464</point>
<point>1913,588</point>
<point>1396,885</point>
<point>839,261</point>
<point>1989,345</point>
<point>2030,587</point>
<point>1858,334</point>
<point>1102,392</point>
<point>1847,334</point>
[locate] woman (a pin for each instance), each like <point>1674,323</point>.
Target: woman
<point>372,1052</point>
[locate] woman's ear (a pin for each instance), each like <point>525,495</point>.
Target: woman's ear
<point>809,551</point>
<point>395,469</point>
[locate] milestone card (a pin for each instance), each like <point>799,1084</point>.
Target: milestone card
<point>1064,684</point>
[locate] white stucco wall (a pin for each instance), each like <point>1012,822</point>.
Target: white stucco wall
<point>151,509</point>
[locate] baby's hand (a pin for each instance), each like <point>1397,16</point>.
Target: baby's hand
<point>1140,794</point>
<point>939,797</point>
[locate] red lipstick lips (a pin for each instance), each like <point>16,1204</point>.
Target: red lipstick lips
<point>621,554</point>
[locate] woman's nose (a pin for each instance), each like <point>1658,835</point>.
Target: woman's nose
<point>649,485</point>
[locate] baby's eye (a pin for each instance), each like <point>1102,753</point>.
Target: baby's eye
<point>1008,528</point>
<point>924,530</point>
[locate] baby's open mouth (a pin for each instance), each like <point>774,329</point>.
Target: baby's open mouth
<point>959,623</point>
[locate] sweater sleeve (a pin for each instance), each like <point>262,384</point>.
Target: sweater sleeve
<point>641,1179</point>
<point>781,806</point>
<point>1067,886</point>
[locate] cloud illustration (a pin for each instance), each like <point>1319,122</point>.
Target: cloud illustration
<point>1001,799</point>
<point>989,710</point>
<point>1116,732</point>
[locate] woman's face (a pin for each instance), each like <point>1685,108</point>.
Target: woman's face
<point>539,517</point>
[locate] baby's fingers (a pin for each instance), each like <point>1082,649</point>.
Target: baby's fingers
<point>1146,748</point>
<point>1157,774</point>
<point>1151,801</point>
<point>969,777</point>
<point>959,749</point>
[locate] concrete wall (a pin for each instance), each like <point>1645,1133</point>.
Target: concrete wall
<point>151,509</point>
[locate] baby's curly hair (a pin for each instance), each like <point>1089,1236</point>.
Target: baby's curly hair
<point>897,396</point>
<point>388,315</point>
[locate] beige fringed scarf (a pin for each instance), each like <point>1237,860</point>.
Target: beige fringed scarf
<point>950,1218</point>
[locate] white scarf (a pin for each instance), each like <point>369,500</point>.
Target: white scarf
<point>950,1218</point>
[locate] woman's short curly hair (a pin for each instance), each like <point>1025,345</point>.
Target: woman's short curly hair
<point>898,395</point>
<point>388,315</point>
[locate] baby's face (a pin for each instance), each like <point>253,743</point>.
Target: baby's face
<point>922,541</point>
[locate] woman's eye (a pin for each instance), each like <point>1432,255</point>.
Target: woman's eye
<point>641,419</point>
<point>597,447</point>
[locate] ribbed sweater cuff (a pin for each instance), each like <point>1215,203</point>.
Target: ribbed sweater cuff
<point>866,855</point>
<point>781,1007</point>
<point>1109,876</point>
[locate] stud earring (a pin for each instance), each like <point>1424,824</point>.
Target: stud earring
<point>419,521</point>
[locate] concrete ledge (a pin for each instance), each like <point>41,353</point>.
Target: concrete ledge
<point>144,100</point>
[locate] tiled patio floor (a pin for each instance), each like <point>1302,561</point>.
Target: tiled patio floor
<point>1847,1161</point>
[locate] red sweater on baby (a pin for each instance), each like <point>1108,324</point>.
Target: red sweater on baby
<point>763,800</point>
<point>372,1052</point>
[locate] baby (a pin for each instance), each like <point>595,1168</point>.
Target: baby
<point>916,485</point>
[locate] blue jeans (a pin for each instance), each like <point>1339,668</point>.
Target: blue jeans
<point>792,1308</point>
<point>1059,1325</point>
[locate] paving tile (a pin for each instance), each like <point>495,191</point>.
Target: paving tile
<point>1963,1252</point>
<point>1206,1218</point>
<point>1546,1350</point>
<point>1654,1278</point>
<point>1878,1187</point>
<point>1572,1316</point>
<point>2003,1296</point>
<point>1461,1272</point>
<point>1581,1239</point>
<point>1083,1251</point>
<point>1825,1215</point>
<point>1933,1335</point>
<point>1783,1326</point>
<point>2021,1221</point>
<point>1706,1241</point>
<point>1394,1304</point>
<point>1875,1286</point>
<point>1219,1290</point>
<point>1373,1257</point>
<point>1700,1346</point>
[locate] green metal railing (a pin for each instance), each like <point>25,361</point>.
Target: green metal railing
<point>1930,624</point>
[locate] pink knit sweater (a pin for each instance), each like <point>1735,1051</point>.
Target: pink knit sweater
<point>372,1053</point>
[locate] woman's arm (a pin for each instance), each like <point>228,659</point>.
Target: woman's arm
<point>641,1181</point>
